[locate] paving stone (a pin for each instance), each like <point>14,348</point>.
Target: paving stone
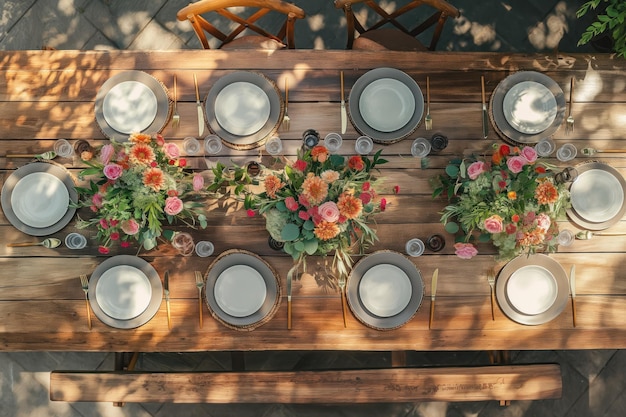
<point>589,363</point>
<point>167,18</point>
<point>155,37</point>
<point>99,42</point>
<point>12,12</point>
<point>607,386</point>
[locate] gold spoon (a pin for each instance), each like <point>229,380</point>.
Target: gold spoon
<point>50,243</point>
<point>587,234</point>
<point>50,155</point>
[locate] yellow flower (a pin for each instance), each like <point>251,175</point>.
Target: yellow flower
<point>326,230</point>
<point>512,195</point>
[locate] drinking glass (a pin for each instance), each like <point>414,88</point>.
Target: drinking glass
<point>183,243</point>
<point>565,237</point>
<point>438,142</point>
<point>566,152</point>
<point>75,241</point>
<point>63,148</point>
<point>364,145</point>
<point>333,141</point>
<point>545,147</point>
<point>204,248</point>
<point>191,145</point>
<point>420,147</point>
<point>212,144</point>
<point>415,247</point>
<point>274,146</point>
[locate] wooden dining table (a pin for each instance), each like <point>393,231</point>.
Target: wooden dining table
<point>48,95</point>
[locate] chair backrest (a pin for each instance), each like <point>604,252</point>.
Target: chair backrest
<point>442,10</point>
<point>201,25</point>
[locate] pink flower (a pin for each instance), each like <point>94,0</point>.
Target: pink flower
<point>543,221</point>
<point>510,229</point>
<point>383,204</point>
<point>303,215</point>
<point>159,139</point>
<point>300,165</point>
<point>130,226</point>
<point>365,197</point>
<point>465,250</point>
<point>104,224</point>
<point>125,244</point>
<point>106,153</point>
<point>97,200</point>
<point>291,203</point>
<point>103,250</point>
<point>250,213</point>
<point>396,189</point>
<point>329,211</point>
<point>171,150</point>
<point>303,200</point>
<point>113,222</point>
<point>173,206</point>
<point>366,186</point>
<point>493,224</point>
<point>529,154</point>
<point>516,163</point>
<point>476,168</point>
<point>315,215</point>
<point>113,171</point>
<point>115,236</point>
<point>198,182</point>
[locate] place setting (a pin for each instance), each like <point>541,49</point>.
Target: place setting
<point>242,291</point>
<point>244,109</point>
<point>131,102</point>
<point>384,290</point>
<point>386,104</point>
<point>526,107</point>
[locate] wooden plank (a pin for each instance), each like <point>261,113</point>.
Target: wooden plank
<point>513,382</point>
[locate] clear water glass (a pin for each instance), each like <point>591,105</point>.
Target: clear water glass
<point>183,243</point>
<point>75,241</point>
<point>415,247</point>
<point>333,142</point>
<point>204,248</point>
<point>566,152</point>
<point>191,146</point>
<point>565,237</point>
<point>212,145</point>
<point>274,146</point>
<point>420,147</point>
<point>63,148</point>
<point>545,147</point>
<point>364,145</point>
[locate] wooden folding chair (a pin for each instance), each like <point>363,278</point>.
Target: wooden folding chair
<point>387,32</point>
<point>253,36</point>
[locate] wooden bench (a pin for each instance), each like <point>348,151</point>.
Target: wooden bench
<point>483,383</point>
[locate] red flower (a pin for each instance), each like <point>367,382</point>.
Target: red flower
<point>300,165</point>
<point>515,218</point>
<point>356,162</point>
<point>172,193</point>
<point>125,244</point>
<point>396,189</point>
<point>504,150</point>
<point>510,229</point>
<point>103,250</point>
<point>171,162</point>
<point>250,213</point>
<point>115,236</point>
<point>113,222</point>
<point>540,170</point>
<point>501,184</point>
<point>366,186</point>
<point>153,164</point>
<point>383,204</point>
<point>182,162</point>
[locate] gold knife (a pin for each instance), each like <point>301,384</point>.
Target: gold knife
<point>433,292</point>
<point>485,120</point>
<point>289,279</point>
<point>167,298</point>
<point>344,115</point>
<point>199,108</point>
<point>572,285</point>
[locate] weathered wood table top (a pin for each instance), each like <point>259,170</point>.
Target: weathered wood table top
<point>46,95</point>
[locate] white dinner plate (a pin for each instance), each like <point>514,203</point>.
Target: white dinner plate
<point>130,106</point>
<point>529,107</point>
<point>240,290</point>
<point>385,290</point>
<point>242,108</point>
<point>386,104</point>
<point>597,195</point>
<point>123,292</point>
<point>40,199</point>
<point>532,289</point>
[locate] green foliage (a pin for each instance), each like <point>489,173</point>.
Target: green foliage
<point>613,22</point>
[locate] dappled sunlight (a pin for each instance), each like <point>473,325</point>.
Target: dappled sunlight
<point>480,34</point>
<point>548,34</point>
<point>316,23</point>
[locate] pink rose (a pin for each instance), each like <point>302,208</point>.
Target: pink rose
<point>465,250</point>
<point>493,224</point>
<point>291,203</point>
<point>130,227</point>
<point>171,150</point>
<point>516,163</point>
<point>106,153</point>
<point>329,211</point>
<point>543,221</point>
<point>476,168</point>
<point>198,182</point>
<point>173,206</point>
<point>529,154</point>
<point>113,171</point>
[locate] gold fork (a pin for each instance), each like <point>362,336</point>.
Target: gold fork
<point>342,288</point>
<point>84,282</point>
<point>569,127</point>
<point>428,121</point>
<point>176,116</point>
<point>286,120</point>
<point>491,278</point>
<point>199,285</point>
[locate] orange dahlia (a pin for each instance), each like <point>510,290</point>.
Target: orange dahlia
<point>546,193</point>
<point>141,154</point>
<point>153,178</point>
<point>349,206</point>
<point>326,230</point>
<point>272,184</point>
<point>314,189</point>
<point>330,176</point>
<point>319,153</point>
<point>140,138</point>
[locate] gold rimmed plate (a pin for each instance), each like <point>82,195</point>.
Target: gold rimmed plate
<point>533,289</point>
<point>125,292</point>
<point>36,198</point>
<point>131,101</point>
<point>597,196</point>
<point>385,290</point>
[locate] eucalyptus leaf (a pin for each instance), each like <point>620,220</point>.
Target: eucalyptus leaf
<point>451,227</point>
<point>484,237</point>
<point>452,170</point>
<point>290,232</point>
<point>310,246</point>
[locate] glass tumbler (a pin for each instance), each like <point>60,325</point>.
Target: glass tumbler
<point>191,146</point>
<point>415,247</point>
<point>333,142</point>
<point>204,248</point>
<point>183,243</point>
<point>420,147</point>
<point>212,144</point>
<point>364,145</point>
<point>63,148</point>
<point>274,146</point>
<point>545,147</point>
<point>566,152</point>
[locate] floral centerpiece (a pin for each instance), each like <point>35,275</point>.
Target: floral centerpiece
<point>317,204</point>
<point>510,199</point>
<point>134,187</point>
